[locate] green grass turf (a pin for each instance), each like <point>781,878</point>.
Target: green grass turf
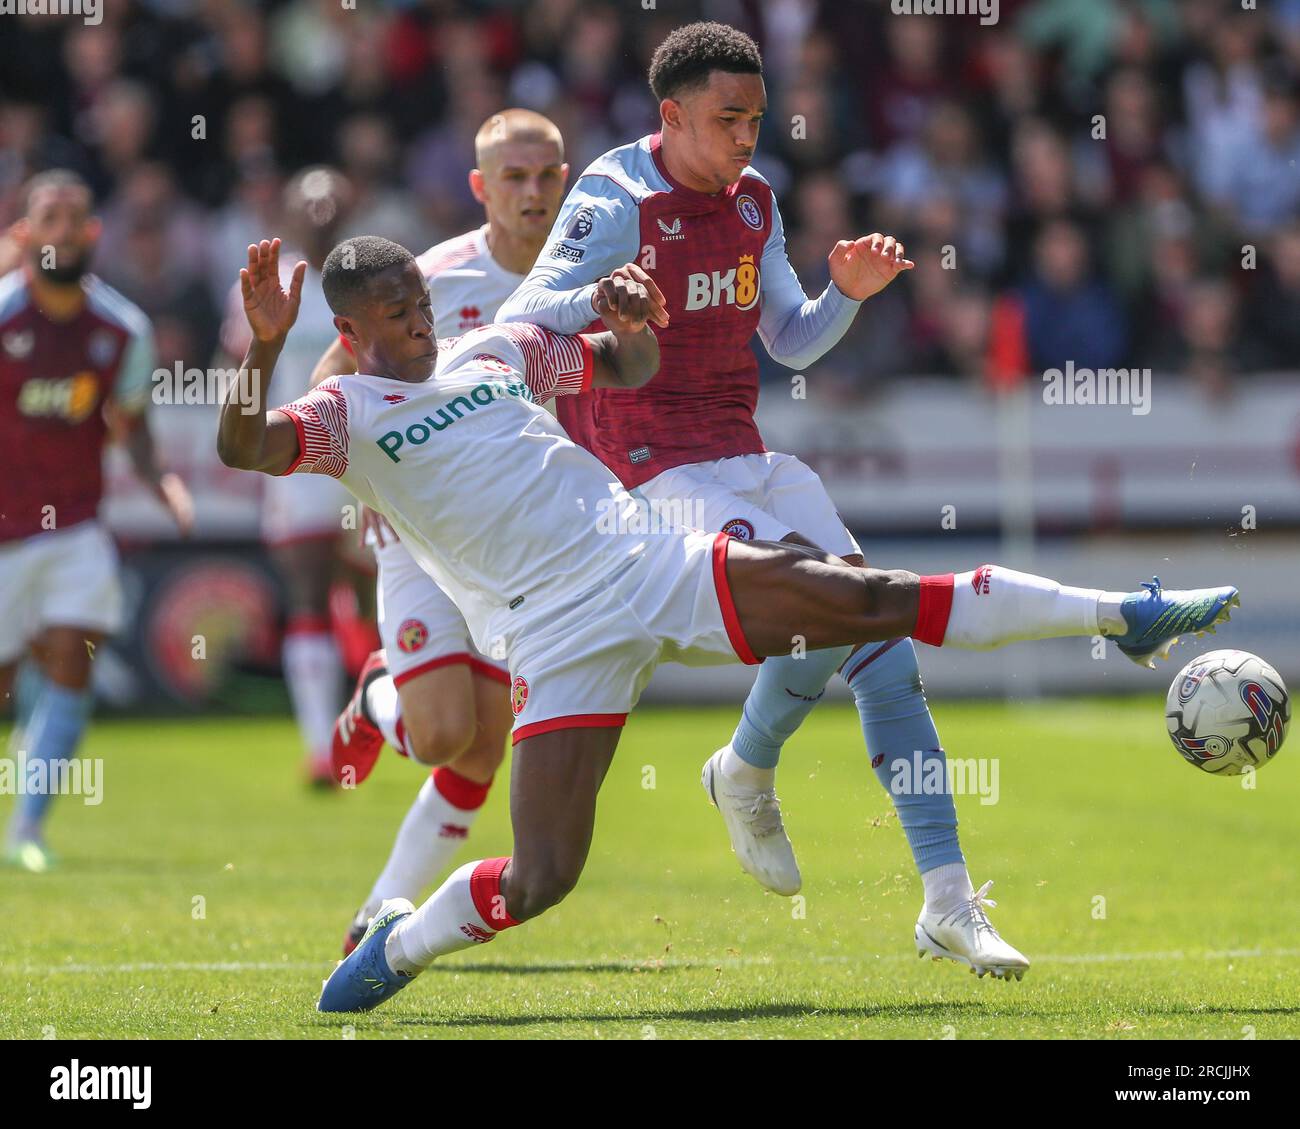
<point>665,937</point>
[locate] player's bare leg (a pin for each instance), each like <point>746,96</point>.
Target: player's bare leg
<point>52,733</point>
<point>313,668</point>
<point>783,592</point>
<point>554,781</point>
<point>458,720</point>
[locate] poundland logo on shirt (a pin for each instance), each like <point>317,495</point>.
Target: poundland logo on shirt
<point>457,408</point>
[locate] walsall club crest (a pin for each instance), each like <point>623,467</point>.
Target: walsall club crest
<point>411,636</point>
<point>518,694</point>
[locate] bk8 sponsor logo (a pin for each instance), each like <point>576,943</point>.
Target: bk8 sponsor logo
<point>737,287</point>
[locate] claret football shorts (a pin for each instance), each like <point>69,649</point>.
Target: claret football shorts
<point>585,663</point>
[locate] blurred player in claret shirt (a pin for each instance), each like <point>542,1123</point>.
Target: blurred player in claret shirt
<point>303,522</point>
<point>76,362</point>
<point>686,206</point>
<point>431,693</point>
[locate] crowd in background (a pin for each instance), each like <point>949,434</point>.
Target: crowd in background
<point>1108,182</point>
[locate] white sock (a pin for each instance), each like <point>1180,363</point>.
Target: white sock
<point>992,606</point>
<point>946,887</point>
<point>1109,617</point>
<point>313,669</point>
<point>384,706</point>
<point>745,774</point>
<point>446,923</point>
<point>433,830</point>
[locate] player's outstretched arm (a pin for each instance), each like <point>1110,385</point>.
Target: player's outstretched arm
<point>628,355</point>
<point>249,437</point>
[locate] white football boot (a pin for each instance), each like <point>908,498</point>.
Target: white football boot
<point>753,819</point>
<point>966,935</point>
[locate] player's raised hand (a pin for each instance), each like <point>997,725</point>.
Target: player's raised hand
<point>271,311</point>
<point>627,298</point>
<point>863,267</point>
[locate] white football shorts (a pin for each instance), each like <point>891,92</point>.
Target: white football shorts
<point>753,497</point>
<point>420,627</point>
<point>585,663</point>
<point>63,578</point>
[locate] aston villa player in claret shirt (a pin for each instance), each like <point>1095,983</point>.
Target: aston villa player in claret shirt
<point>687,205</point>
<point>76,361</point>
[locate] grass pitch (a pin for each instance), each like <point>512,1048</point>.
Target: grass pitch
<point>207,895</point>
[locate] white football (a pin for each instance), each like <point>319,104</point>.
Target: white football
<point>1228,711</point>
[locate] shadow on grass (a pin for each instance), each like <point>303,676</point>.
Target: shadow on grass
<point>648,967</point>
<point>735,1014</point>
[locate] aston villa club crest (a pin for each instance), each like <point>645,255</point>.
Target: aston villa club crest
<point>19,343</point>
<point>518,694</point>
<point>748,208</point>
<point>411,636</point>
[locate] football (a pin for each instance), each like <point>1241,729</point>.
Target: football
<point>1227,711</point>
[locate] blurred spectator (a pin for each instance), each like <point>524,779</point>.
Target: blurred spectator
<point>1069,315</point>
<point>1259,183</point>
<point>1274,305</point>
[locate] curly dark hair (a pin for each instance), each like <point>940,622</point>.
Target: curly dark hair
<point>685,59</point>
<point>349,268</point>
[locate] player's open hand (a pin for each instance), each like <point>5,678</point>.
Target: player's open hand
<point>863,267</point>
<point>627,298</point>
<point>373,522</point>
<point>271,311</point>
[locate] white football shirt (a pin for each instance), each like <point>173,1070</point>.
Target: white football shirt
<point>486,491</point>
<point>466,283</point>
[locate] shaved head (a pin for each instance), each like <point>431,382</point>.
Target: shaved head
<point>513,125</point>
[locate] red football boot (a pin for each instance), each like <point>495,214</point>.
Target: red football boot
<point>357,740</point>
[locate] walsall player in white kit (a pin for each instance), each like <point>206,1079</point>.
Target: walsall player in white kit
<point>431,693</point>
<point>541,547</point>
<point>303,522</point>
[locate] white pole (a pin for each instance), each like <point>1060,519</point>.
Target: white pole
<point>1016,513</point>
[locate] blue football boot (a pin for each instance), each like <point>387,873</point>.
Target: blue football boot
<point>1157,618</point>
<point>364,980</point>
